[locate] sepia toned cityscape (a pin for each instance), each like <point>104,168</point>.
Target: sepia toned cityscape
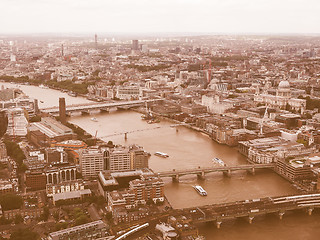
<point>173,120</point>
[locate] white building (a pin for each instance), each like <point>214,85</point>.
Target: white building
<point>91,162</point>
<point>128,92</point>
<point>214,105</point>
<point>17,122</point>
<point>282,98</point>
<point>118,159</point>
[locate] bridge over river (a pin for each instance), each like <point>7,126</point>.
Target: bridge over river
<point>249,209</point>
<point>103,106</point>
<point>201,172</point>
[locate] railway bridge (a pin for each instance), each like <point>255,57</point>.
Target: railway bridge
<point>249,209</point>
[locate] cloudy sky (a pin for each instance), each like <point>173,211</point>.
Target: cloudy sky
<point>152,16</point>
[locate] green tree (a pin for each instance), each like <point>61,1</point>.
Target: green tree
<point>24,234</point>
<point>18,219</point>
<point>36,118</point>
<point>82,219</point>
<point>10,201</point>
<point>3,123</point>
<point>45,215</point>
<point>15,152</point>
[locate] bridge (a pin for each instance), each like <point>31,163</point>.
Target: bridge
<point>104,106</point>
<point>226,170</point>
<point>249,209</point>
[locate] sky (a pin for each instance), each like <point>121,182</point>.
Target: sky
<point>154,16</point>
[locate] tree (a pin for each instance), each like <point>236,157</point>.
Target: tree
<point>82,219</point>
<point>3,123</point>
<point>36,118</point>
<point>18,219</point>
<point>45,215</point>
<point>24,234</point>
<point>15,152</point>
<point>10,201</point>
<point>4,221</point>
<point>109,216</point>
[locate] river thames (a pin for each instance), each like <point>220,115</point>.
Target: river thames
<point>189,149</point>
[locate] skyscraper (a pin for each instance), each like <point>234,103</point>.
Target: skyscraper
<point>135,45</point>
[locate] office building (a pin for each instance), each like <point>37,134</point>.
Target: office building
<point>135,45</point>
<point>17,122</point>
<point>117,159</point>
<point>91,162</point>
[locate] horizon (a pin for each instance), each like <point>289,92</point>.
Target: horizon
<point>240,17</point>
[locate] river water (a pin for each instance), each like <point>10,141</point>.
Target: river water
<point>189,149</point>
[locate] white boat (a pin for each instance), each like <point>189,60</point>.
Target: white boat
<point>219,161</point>
<point>161,154</point>
<point>42,86</point>
<point>72,94</point>
<point>200,190</point>
<point>94,119</point>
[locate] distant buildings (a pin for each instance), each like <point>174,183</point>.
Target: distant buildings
<point>282,98</point>
<point>135,45</point>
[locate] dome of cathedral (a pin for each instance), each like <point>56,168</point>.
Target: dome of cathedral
<point>284,84</point>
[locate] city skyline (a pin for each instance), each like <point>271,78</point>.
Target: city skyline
<point>178,16</point>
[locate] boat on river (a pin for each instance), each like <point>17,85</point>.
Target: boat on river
<point>161,154</point>
<point>219,161</point>
<point>72,94</point>
<point>200,190</point>
<point>94,119</point>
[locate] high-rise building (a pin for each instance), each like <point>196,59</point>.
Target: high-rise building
<point>135,45</point>
<point>91,162</point>
<point>62,110</point>
<point>139,158</point>
<point>117,159</point>
<point>17,122</point>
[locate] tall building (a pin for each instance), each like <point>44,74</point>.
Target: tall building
<point>117,159</point>
<point>17,122</point>
<point>62,110</point>
<point>139,158</point>
<point>135,45</point>
<point>62,52</point>
<point>91,162</point>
